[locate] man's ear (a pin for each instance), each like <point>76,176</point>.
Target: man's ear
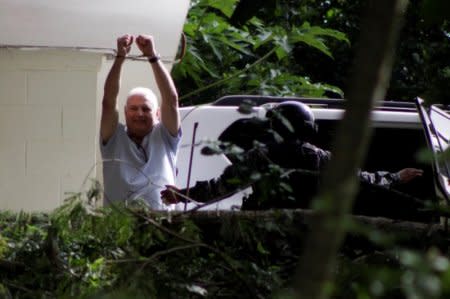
<point>158,113</point>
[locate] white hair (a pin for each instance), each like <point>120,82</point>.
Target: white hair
<point>147,93</point>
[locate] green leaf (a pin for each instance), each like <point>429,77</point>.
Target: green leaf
<point>235,46</point>
<point>311,41</point>
<point>284,47</point>
<point>263,38</point>
<point>319,31</point>
<point>261,249</point>
<point>200,63</point>
<point>312,37</point>
<point>225,6</point>
<point>286,187</point>
<point>190,29</point>
<point>215,48</point>
<point>280,52</point>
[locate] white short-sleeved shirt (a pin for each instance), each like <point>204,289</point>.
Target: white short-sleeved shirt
<point>131,171</point>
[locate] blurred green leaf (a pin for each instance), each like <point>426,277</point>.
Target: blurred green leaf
<point>225,6</point>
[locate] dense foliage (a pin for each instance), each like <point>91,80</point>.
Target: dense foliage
<point>78,251</point>
<point>252,59</point>
<point>304,48</point>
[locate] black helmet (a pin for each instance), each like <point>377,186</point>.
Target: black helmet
<point>293,119</point>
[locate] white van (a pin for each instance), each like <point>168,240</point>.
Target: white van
<point>398,138</point>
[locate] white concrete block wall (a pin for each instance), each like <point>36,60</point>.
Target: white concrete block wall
<point>50,108</point>
<point>13,87</point>
<point>48,125</point>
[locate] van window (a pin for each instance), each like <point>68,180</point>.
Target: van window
<point>390,149</point>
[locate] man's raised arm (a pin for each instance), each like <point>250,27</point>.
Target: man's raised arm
<point>110,113</point>
<point>169,97</point>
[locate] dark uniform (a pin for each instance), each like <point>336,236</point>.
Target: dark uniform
<point>284,173</point>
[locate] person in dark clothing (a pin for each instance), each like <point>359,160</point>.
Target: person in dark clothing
<point>278,161</point>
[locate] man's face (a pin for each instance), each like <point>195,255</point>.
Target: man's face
<point>140,116</point>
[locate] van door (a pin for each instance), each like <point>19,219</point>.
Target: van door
<point>436,123</point>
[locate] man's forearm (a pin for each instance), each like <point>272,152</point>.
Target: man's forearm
<point>110,115</point>
<point>169,97</point>
<point>112,83</point>
<point>165,83</point>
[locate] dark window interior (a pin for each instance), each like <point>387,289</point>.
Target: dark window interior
<point>391,149</point>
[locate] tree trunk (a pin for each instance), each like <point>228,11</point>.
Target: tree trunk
<point>371,75</point>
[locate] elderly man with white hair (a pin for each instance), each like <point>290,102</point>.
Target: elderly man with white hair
<point>139,157</point>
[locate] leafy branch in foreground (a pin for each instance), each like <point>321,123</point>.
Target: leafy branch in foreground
<point>78,251</point>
